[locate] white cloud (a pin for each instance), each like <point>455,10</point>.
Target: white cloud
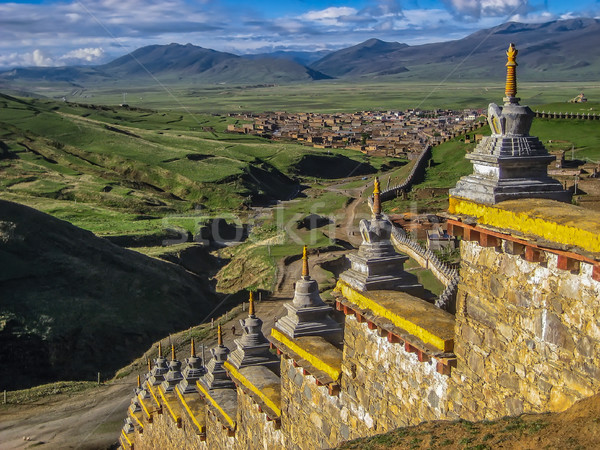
<point>36,58</point>
<point>333,12</point>
<point>482,8</point>
<point>83,55</point>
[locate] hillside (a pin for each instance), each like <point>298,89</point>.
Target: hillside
<point>74,304</point>
<point>558,50</point>
<point>115,170</point>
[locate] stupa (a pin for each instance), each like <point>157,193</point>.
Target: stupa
<point>216,376</point>
<point>377,265</point>
<point>173,377</point>
<point>308,315</point>
<point>192,372</point>
<point>509,164</point>
<point>253,348</point>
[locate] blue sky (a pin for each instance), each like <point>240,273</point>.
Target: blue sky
<point>52,32</point>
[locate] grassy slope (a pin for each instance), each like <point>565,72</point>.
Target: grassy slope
<point>114,170</point>
<point>74,304</point>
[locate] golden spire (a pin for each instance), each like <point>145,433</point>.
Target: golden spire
<point>305,273</point>
<point>376,199</point>
<point>219,336</point>
<point>193,349</point>
<point>172,352</point>
<point>159,350</point>
<point>139,382</point>
<point>251,305</point>
<point>511,71</point>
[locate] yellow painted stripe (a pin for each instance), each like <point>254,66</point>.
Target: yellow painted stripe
<point>137,420</point>
<point>126,438</point>
<point>144,406</point>
<point>149,388</point>
<point>526,224</point>
<point>189,411</point>
<point>313,360</point>
<point>215,404</point>
<point>175,416</point>
<point>366,303</point>
<point>242,379</point>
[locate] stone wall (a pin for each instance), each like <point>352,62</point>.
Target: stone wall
<point>528,334</point>
<point>253,430</point>
<point>311,418</point>
<point>163,433</point>
<point>217,437</point>
<point>526,338</point>
<point>388,387</point>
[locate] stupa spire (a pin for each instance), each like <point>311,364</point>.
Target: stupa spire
<point>376,199</point>
<point>511,74</point>
<point>251,306</point>
<point>159,350</point>
<point>305,273</point>
<point>192,349</point>
<point>173,352</point>
<point>219,336</point>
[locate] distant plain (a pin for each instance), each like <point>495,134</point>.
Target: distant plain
<point>325,96</point>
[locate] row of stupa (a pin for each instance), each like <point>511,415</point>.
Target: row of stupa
<point>509,164</point>
<point>376,265</point>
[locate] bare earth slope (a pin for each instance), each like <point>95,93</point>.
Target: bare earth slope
<point>576,428</point>
<point>70,302</point>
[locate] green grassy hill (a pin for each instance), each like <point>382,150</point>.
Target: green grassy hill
<point>116,170</point>
<point>74,304</point>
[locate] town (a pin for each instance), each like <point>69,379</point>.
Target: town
<point>401,134</point>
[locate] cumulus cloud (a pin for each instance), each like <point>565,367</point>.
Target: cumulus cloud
<point>331,13</point>
<point>83,55</point>
<point>482,8</point>
<point>36,58</point>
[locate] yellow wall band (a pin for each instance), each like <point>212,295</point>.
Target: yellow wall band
<point>144,406</point>
<point>173,415</point>
<point>189,411</point>
<point>137,420</point>
<point>149,387</point>
<point>530,224</point>
<point>215,404</point>
<point>242,379</point>
<point>126,438</point>
<point>365,303</point>
<point>313,360</point>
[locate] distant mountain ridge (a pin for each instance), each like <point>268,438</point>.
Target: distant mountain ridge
<point>175,62</point>
<point>562,48</point>
<point>557,50</point>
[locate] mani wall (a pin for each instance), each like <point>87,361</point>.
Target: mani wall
<point>525,338</point>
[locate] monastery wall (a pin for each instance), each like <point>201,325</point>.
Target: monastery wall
<point>525,338</point>
<point>527,334</point>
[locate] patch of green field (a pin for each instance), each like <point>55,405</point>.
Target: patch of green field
<point>583,136</point>
<point>328,95</point>
<point>112,164</point>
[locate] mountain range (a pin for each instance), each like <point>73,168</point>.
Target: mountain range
<point>558,50</point>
